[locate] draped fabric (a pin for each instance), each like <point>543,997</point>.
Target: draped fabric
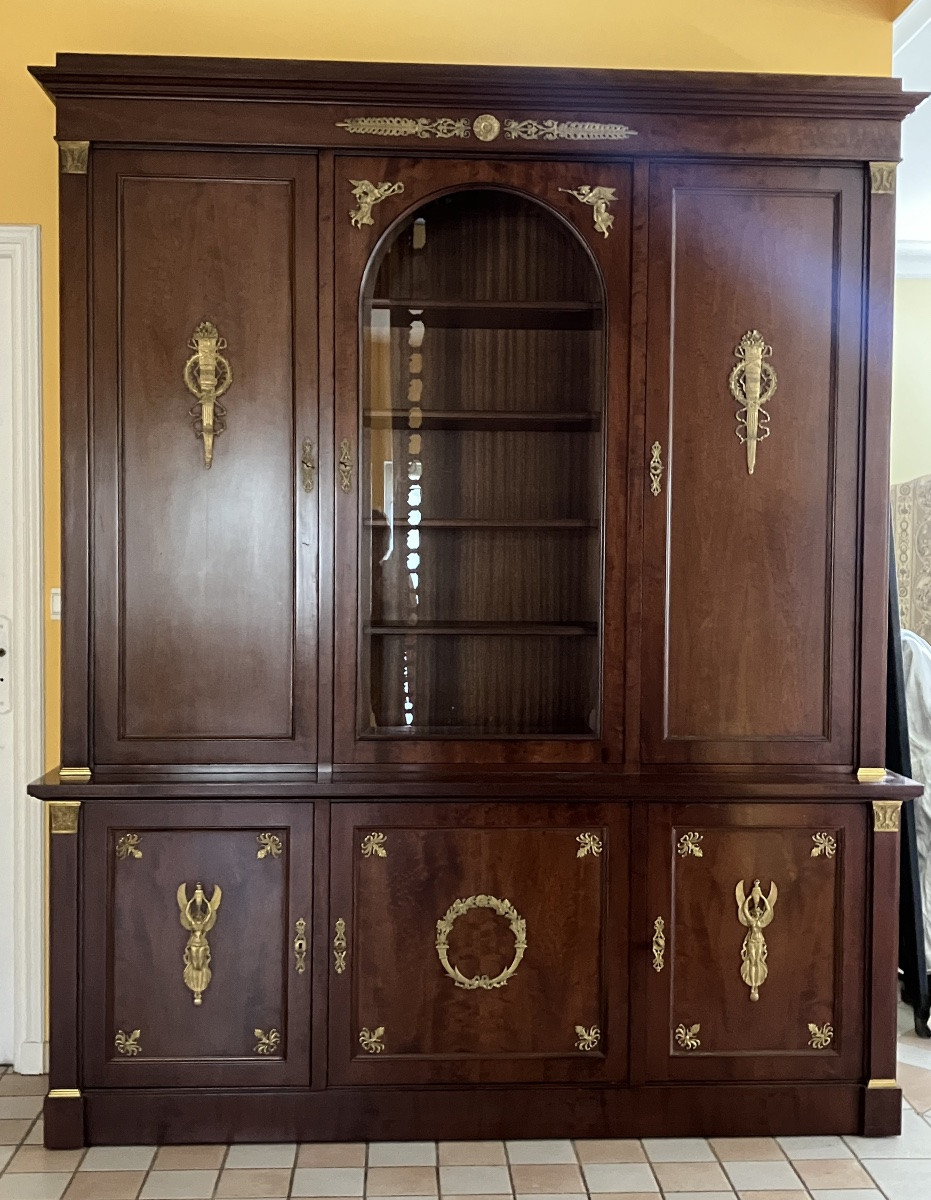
<point>916,661</point>
<point>911,516</point>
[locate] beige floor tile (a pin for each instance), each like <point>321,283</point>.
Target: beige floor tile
<point>36,1134</point>
<point>678,1150</point>
<point>253,1183</point>
<point>179,1185</point>
<point>189,1158</point>
<point>329,1181</point>
<point>20,1106</point>
<point>23,1085</point>
<point>545,1151</point>
<point>691,1177</point>
<point>105,1185</point>
<point>38,1159</point>
<point>826,1146</point>
<point>915,1083</point>
<point>619,1177</point>
<point>401,1181</point>
<point>331,1154</point>
<point>472,1154</point>
<point>833,1173</point>
<point>402,1154</point>
<point>547,1180</point>
<point>6,1153</point>
<point>747,1149</point>
<point>267,1155</point>
<point>475,1181</point>
<point>631,1196</point>
<point>763,1177</point>
<point>33,1187</point>
<point>12,1131</point>
<point>117,1158</point>
<point>507,1197</point>
<point>609,1150</point>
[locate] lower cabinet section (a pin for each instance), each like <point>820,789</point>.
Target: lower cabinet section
<point>756,926</point>
<point>477,942</point>
<point>196,924</point>
<point>609,968</point>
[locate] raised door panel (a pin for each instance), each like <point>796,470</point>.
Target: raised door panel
<point>194,918</point>
<point>477,943</point>
<point>750,532</point>
<point>481,376</point>
<point>204,548</point>
<point>755,968</point>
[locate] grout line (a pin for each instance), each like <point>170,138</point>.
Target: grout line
<point>226,1154</point>
<point>147,1173</point>
<point>297,1155</point>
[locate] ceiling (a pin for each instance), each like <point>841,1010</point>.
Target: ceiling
<point>911,60</point>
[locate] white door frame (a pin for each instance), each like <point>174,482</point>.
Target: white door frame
<point>22,832</point>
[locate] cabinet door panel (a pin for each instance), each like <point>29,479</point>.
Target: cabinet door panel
<point>749,613</point>
<point>477,943</point>
<point>477,528</point>
<point>203,574</point>
<point>798,945</point>
<point>153,1014</point>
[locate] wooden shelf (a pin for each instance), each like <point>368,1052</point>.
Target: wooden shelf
<point>483,629</point>
<point>470,523</point>
<point>487,419</point>
<point>494,314</point>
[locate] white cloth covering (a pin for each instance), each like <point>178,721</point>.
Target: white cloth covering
<point>916,660</point>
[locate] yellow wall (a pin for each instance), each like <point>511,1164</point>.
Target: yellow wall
<point>818,36</point>
<point>911,385</point>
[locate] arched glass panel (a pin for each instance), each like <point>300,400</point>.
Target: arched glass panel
<point>483,384</point>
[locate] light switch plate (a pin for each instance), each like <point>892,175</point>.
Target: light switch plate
<point>55,604</point>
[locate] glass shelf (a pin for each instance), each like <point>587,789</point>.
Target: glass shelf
<point>483,419</point>
<point>493,314</point>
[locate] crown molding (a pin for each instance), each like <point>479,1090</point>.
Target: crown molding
<point>583,90</point>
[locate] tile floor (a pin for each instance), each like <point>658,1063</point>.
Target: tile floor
<point>791,1168</point>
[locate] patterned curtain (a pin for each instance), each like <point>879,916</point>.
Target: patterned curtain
<point>911,514</point>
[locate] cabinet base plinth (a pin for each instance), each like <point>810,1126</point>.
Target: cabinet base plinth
<point>63,1122</point>
<point>882,1111</point>
<point>148,1116</point>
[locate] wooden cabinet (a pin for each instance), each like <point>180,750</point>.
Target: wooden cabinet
<point>471,943</point>
<point>757,924</point>
<point>750,546</point>
<point>204,547</point>
<point>474,524</point>
<point>198,924</point>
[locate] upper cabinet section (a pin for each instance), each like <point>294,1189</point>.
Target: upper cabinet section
<point>753,394</point>
<point>472,416</point>
<point>487,345</point>
<point>204,391</point>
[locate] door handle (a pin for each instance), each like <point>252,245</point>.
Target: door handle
<point>308,466</point>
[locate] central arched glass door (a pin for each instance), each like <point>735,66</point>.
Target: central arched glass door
<point>482,375</point>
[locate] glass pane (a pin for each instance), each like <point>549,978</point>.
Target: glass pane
<point>483,394</point>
